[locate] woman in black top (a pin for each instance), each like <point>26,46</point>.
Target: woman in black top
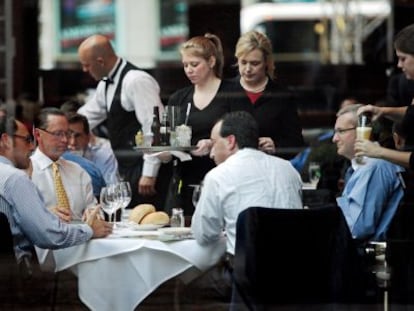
<point>271,105</point>
<point>202,58</point>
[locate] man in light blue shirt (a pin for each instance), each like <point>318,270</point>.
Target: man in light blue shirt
<point>373,191</point>
<point>100,153</point>
<point>30,221</point>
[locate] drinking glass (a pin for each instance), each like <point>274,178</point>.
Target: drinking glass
<point>183,135</point>
<point>363,131</point>
<point>314,173</point>
<point>106,201</point>
<point>125,195</point>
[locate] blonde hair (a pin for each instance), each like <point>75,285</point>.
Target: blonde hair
<point>206,46</point>
<point>253,40</point>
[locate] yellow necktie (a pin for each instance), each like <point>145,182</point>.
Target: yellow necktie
<point>62,198</point>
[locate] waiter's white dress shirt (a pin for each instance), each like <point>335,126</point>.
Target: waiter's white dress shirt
<point>140,93</point>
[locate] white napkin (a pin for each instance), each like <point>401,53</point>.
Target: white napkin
<point>183,156</point>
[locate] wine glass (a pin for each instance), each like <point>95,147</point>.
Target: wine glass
<point>106,201</point>
<point>125,195</point>
<point>116,199</point>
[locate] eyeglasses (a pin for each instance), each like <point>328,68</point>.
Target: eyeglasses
<point>58,134</point>
<point>343,131</point>
<point>28,139</point>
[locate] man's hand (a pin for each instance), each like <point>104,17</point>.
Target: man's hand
<point>63,213</point>
<point>364,147</point>
<point>100,227</point>
<point>266,144</point>
<point>91,214</point>
<point>203,147</point>
<point>146,185</point>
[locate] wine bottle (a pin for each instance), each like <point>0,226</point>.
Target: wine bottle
<point>165,130</point>
<point>155,127</point>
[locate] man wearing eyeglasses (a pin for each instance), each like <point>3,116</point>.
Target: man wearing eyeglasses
<point>52,135</point>
<point>372,189</point>
<point>30,221</point>
<point>101,153</point>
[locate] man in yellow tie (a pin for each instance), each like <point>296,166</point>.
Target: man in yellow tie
<point>65,186</point>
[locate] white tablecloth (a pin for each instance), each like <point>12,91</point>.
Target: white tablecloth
<point>118,273</point>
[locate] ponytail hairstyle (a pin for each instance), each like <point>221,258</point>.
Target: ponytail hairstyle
<point>206,46</point>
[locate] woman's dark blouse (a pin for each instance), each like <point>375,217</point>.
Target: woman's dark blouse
<point>275,112</point>
<point>201,122</point>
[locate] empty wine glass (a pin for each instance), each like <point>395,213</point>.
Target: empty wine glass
<point>125,195</point>
<point>107,201</point>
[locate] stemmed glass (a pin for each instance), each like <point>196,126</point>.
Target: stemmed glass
<point>106,198</point>
<point>125,194</point>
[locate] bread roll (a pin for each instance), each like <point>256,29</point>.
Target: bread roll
<point>139,212</point>
<point>156,218</point>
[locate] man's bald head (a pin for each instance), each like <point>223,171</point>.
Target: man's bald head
<point>97,56</point>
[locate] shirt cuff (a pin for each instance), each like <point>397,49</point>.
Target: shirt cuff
<point>151,166</point>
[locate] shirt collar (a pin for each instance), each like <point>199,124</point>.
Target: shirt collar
<point>115,69</point>
<point>5,160</point>
<point>43,160</point>
<point>356,165</point>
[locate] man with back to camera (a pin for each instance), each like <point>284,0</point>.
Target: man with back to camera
<point>244,177</point>
<point>125,98</point>
<point>30,221</point>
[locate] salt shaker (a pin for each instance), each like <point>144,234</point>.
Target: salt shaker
<point>177,217</point>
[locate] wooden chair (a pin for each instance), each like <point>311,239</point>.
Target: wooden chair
<point>286,256</point>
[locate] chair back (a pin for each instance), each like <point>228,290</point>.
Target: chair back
<point>317,197</point>
<point>286,256</point>
<point>400,246</point>
<point>8,265</point>
<point>6,246</point>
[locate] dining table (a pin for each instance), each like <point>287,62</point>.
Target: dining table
<point>118,272</point>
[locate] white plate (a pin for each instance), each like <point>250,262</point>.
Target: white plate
<point>176,230</point>
<point>145,227</point>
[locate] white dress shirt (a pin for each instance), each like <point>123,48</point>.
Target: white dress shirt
<point>140,93</point>
<point>77,183</point>
<point>247,178</point>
